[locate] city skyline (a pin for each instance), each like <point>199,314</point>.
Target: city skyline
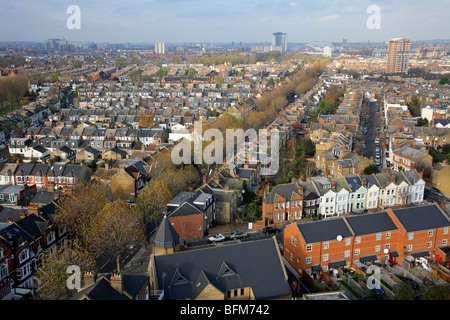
<point>140,21</point>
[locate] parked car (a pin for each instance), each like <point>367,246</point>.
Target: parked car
<point>217,238</point>
<point>436,191</point>
<point>268,230</point>
<point>238,235</point>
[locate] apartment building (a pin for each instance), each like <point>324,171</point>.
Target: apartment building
<point>404,233</point>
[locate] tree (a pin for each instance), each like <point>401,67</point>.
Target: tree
<point>116,228</point>
<point>256,120</point>
<point>77,64</point>
<point>153,199</point>
<point>78,209</point>
<point>422,122</point>
<point>414,106</point>
<point>218,80</point>
<point>444,80</point>
<point>404,292</point>
<point>370,169</point>
<point>54,76</point>
<point>308,147</point>
<point>437,293</point>
<point>52,275</point>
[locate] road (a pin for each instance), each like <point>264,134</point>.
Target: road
<point>433,197</point>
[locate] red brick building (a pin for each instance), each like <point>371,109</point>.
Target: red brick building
<point>191,214</point>
<point>395,234</point>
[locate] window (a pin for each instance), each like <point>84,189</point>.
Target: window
<point>410,236</point>
<point>347,253</point>
<point>429,243</point>
<point>358,240</point>
<point>51,237</point>
<point>325,257</point>
<point>3,270</point>
<point>409,247</point>
<point>24,255</point>
<point>348,242</point>
<point>388,235</point>
<point>356,252</point>
<point>326,245</point>
<point>445,230</point>
<point>377,248</point>
<point>444,242</point>
<point>309,248</point>
<point>308,260</point>
<point>430,233</point>
<point>293,241</point>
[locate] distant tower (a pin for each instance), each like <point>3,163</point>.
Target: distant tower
<point>166,240</point>
<point>398,54</point>
<point>280,39</point>
<point>160,48</point>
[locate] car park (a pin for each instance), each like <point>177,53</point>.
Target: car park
<point>217,238</point>
<point>268,230</point>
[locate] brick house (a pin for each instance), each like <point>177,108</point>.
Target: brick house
<point>283,203</point>
<point>192,214</point>
<point>6,269</point>
<point>404,233</point>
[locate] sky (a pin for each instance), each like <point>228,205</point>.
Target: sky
<point>249,21</point>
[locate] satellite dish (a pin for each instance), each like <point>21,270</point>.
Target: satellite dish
<point>339,238</point>
<point>386,250</point>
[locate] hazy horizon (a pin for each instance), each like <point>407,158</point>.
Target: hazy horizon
<point>249,21</point>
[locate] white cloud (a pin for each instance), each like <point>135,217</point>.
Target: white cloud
<point>330,17</point>
<point>349,9</point>
<point>293,4</point>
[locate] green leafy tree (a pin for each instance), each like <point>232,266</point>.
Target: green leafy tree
<point>52,275</point>
<point>370,169</point>
<point>422,122</point>
<point>444,80</point>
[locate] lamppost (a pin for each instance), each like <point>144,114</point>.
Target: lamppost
<point>339,239</point>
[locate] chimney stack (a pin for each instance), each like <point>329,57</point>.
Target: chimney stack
<point>227,187</point>
<point>89,278</point>
<point>116,282</point>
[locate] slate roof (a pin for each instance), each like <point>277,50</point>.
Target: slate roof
<point>421,217</point>
<point>371,223</point>
<point>253,263</point>
<point>324,230</point>
<point>286,190</point>
<point>102,289</point>
<point>166,236</point>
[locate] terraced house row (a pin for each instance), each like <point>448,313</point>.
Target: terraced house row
<point>416,231</point>
<point>327,197</point>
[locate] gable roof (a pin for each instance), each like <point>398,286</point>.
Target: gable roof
<point>254,263</point>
